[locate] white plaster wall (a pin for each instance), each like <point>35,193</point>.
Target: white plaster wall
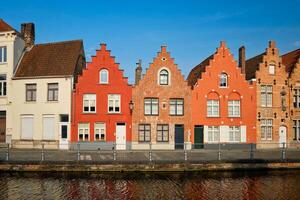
<point>41,106</point>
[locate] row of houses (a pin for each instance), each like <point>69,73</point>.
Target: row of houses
<point>50,96</point>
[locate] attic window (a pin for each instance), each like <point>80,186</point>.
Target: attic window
<point>103,76</point>
<point>272,69</point>
<point>163,58</point>
<point>223,80</point>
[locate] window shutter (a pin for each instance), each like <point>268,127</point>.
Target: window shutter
<point>27,127</point>
<point>243,134</point>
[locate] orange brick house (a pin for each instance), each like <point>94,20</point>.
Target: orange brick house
<point>291,61</point>
<point>272,97</point>
<point>223,102</point>
<point>101,105</point>
<point>162,111</point>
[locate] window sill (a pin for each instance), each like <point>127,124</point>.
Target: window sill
<point>89,113</point>
<point>176,115</point>
<point>119,113</point>
<point>3,63</point>
<point>103,84</point>
<point>52,102</point>
<point>3,96</point>
<point>30,102</point>
<point>213,117</point>
<point>224,87</point>
<point>234,116</point>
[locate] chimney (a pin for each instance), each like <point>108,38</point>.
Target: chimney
<point>138,72</point>
<point>242,59</point>
<point>28,33</point>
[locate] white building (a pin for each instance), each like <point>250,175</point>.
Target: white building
<point>42,89</point>
<point>11,48</point>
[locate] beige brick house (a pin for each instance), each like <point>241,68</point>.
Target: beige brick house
<point>162,111</point>
<point>291,61</point>
<point>272,97</point>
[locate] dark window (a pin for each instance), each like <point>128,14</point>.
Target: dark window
<point>223,80</point>
<point>2,85</point>
<point>64,131</point>
<point>144,132</point>
<point>64,118</point>
<point>176,106</point>
<point>162,132</point>
<point>52,91</point>
<point>151,106</point>
<point>30,92</point>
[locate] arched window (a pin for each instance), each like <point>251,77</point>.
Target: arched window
<point>164,77</point>
<point>223,80</point>
<point>104,76</point>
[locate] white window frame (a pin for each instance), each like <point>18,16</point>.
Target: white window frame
<point>84,129</point>
<point>223,80</point>
<point>271,69</point>
<point>113,99</point>
<point>235,134</point>
<point>266,129</point>
<point>3,56</point>
<point>162,132</point>
<point>296,101</point>
<point>90,99</point>
<point>3,85</point>
<point>213,134</point>
<point>163,73</point>
<point>213,108</point>
<point>46,134</point>
<point>234,108</point>
<point>266,95</point>
<point>100,76</point>
<point>151,104</point>
<point>99,129</point>
<point>176,107</point>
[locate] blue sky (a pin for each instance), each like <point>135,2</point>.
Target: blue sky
<point>135,30</point>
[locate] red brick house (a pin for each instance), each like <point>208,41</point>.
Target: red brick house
<point>223,102</point>
<point>162,111</point>
<point>101,105</point>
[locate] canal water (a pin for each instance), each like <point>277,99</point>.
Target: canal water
<point>218,185</point>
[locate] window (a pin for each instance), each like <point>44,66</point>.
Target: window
<point>272,69</point>
<point>213,134</point>
<point>176,106</point>
<point>48,127</point>
<point>296,98</point>
<point>104,76</point>
<point>114,103</point>
<point>27,127</point>
<point>30,92</point>
<point>164,77</point>
<point>3,54</point>
<point>89,103</point>
<point>212,108</point>
<point>2,85</point>
<point>162,133</point>
<point>266,95</point>
<point>234,133</point>
<point>52,91</point>
<point>151,106</point>
<point>100,132</point>
<point>296,129</point>
<point>64,118</point>
<point>234,108</point>
<point>83,131</point>
<point>144,132</point>
<point>266,126</point>
<point>223,80</point>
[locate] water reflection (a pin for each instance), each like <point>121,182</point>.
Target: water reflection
<point>238,185</point>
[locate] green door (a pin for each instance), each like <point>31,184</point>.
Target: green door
<point>179,136</point>
<point>198,137</point>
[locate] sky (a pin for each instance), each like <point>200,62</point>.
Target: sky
<point>132,30</point>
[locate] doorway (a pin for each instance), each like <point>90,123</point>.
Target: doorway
<point>179,136</point>
<point>198,137</point>
<point>121,136</point>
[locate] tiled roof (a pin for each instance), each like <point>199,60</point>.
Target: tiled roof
<point>252,65</point>
<point>290,59</point>
<point>5,27</point>
<point>51,59</point>
<point>196,71</point>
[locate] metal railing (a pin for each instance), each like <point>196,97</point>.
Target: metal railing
<point>151,153</point>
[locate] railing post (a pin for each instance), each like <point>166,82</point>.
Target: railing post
<point>251,152</point>
<point>43,153</point>
<point>7,152</point>
<point>78,152</point>
<point>114,152</point>
<point>283,151</point>
<point>219,152</point>
<point>150,152</point>
<point>185,152</point>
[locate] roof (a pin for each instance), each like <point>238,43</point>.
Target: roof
<point>51,59</point>
<point>4,27</point>
<point>196,72</point>
<point>252,65</point>
<point>290,59</point>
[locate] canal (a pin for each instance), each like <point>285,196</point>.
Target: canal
<point>204,185</point>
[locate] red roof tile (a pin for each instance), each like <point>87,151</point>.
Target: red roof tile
<point>4,27</point>
<point>290,59</point>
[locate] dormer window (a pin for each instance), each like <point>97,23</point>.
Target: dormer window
<point>103,76</point>
<point>164,77</point>
<point>223,80</point>
<point>272,69</point>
